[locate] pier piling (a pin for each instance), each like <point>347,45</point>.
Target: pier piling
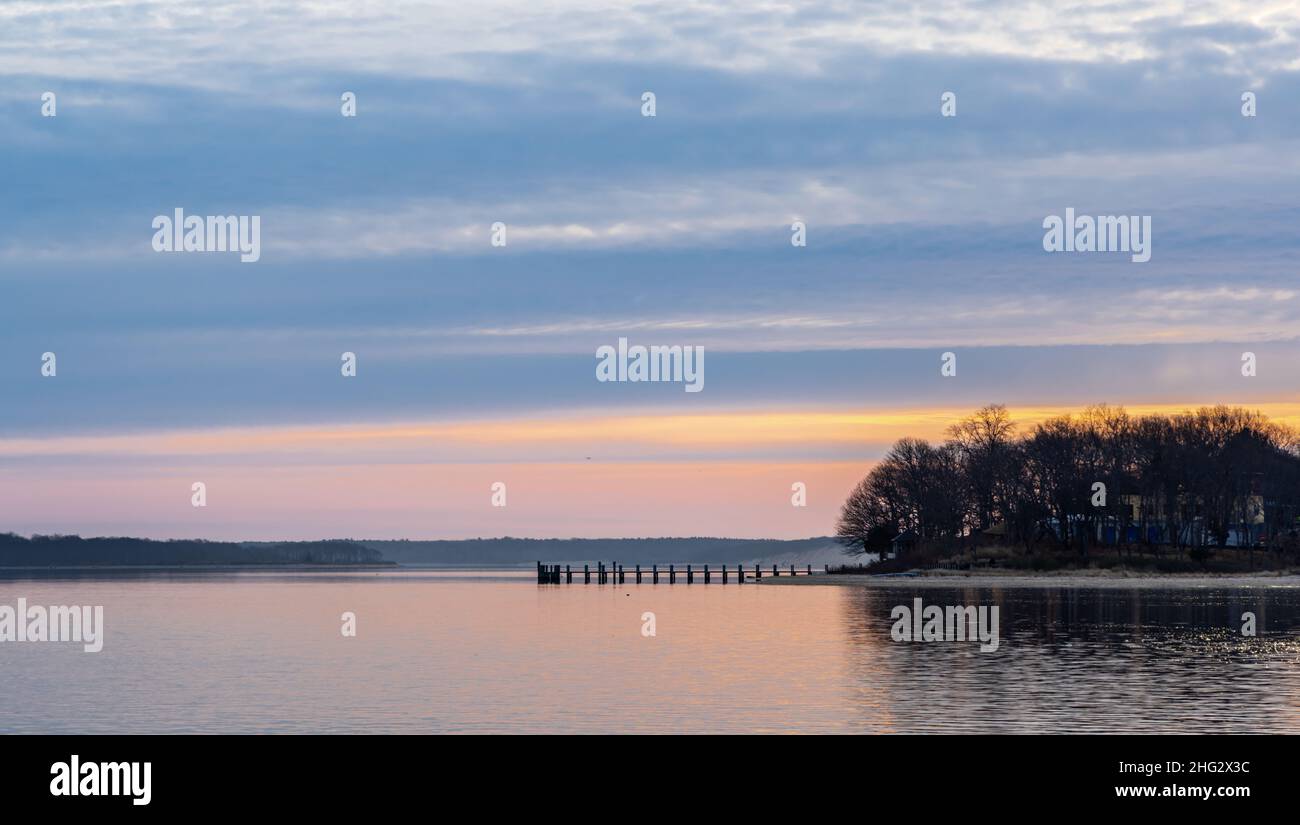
<point>614,573</point>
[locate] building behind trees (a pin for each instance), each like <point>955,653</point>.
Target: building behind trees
<point>1215,477</point>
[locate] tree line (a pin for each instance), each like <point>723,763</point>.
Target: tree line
<point>1190,480</point>
<point>57,551</point>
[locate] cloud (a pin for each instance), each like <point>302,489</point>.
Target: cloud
<point>734,208</point>
<point>924,232</point>
<point>214,46</point>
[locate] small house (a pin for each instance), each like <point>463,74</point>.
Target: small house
<point>904,543</point>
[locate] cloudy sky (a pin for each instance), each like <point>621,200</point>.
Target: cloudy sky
<point>476,363</point>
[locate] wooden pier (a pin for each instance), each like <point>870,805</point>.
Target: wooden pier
<point>615,573</point>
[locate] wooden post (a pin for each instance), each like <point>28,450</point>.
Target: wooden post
<point>740,574</point>
<point>792,570</point>
<point>775,573</point>
<point>620,574</point>
<point>654,569</point>
<point>724,574</point>
<point>758,573</point>
<point>690,575</point>
<point>568,574</point>
<point>586,574</point>
<point>810,570</point>
<point>706,574</point>
<point>672,574</point>
<point>638,574</point>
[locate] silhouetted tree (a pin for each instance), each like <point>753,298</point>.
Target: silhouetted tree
<point>1185,480</point>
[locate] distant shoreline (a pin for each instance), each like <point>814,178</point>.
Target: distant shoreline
<point>120,551</point>
<point>1064,578</point>
<point>216,566</point>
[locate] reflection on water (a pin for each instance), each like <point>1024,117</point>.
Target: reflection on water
<point>459,651</point>
<point>1085,659</point>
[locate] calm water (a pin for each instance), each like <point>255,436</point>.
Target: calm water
<point>442,652</point>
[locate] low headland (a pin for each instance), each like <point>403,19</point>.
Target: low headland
<point>1103,493</point>
<point>121,552</point>
<point>71,551</point>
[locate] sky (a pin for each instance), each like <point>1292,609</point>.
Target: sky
<point>476,363</point>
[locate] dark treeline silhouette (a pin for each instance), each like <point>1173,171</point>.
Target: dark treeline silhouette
<point>513,551</point>
<point>60,551</point>
<point>57,551</point>
<point>1213,477</point>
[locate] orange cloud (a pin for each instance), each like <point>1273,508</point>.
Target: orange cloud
<point>541,438</point>
<point>724,473</point>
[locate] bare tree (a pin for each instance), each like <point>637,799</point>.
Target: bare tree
<point>1214,474</point>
